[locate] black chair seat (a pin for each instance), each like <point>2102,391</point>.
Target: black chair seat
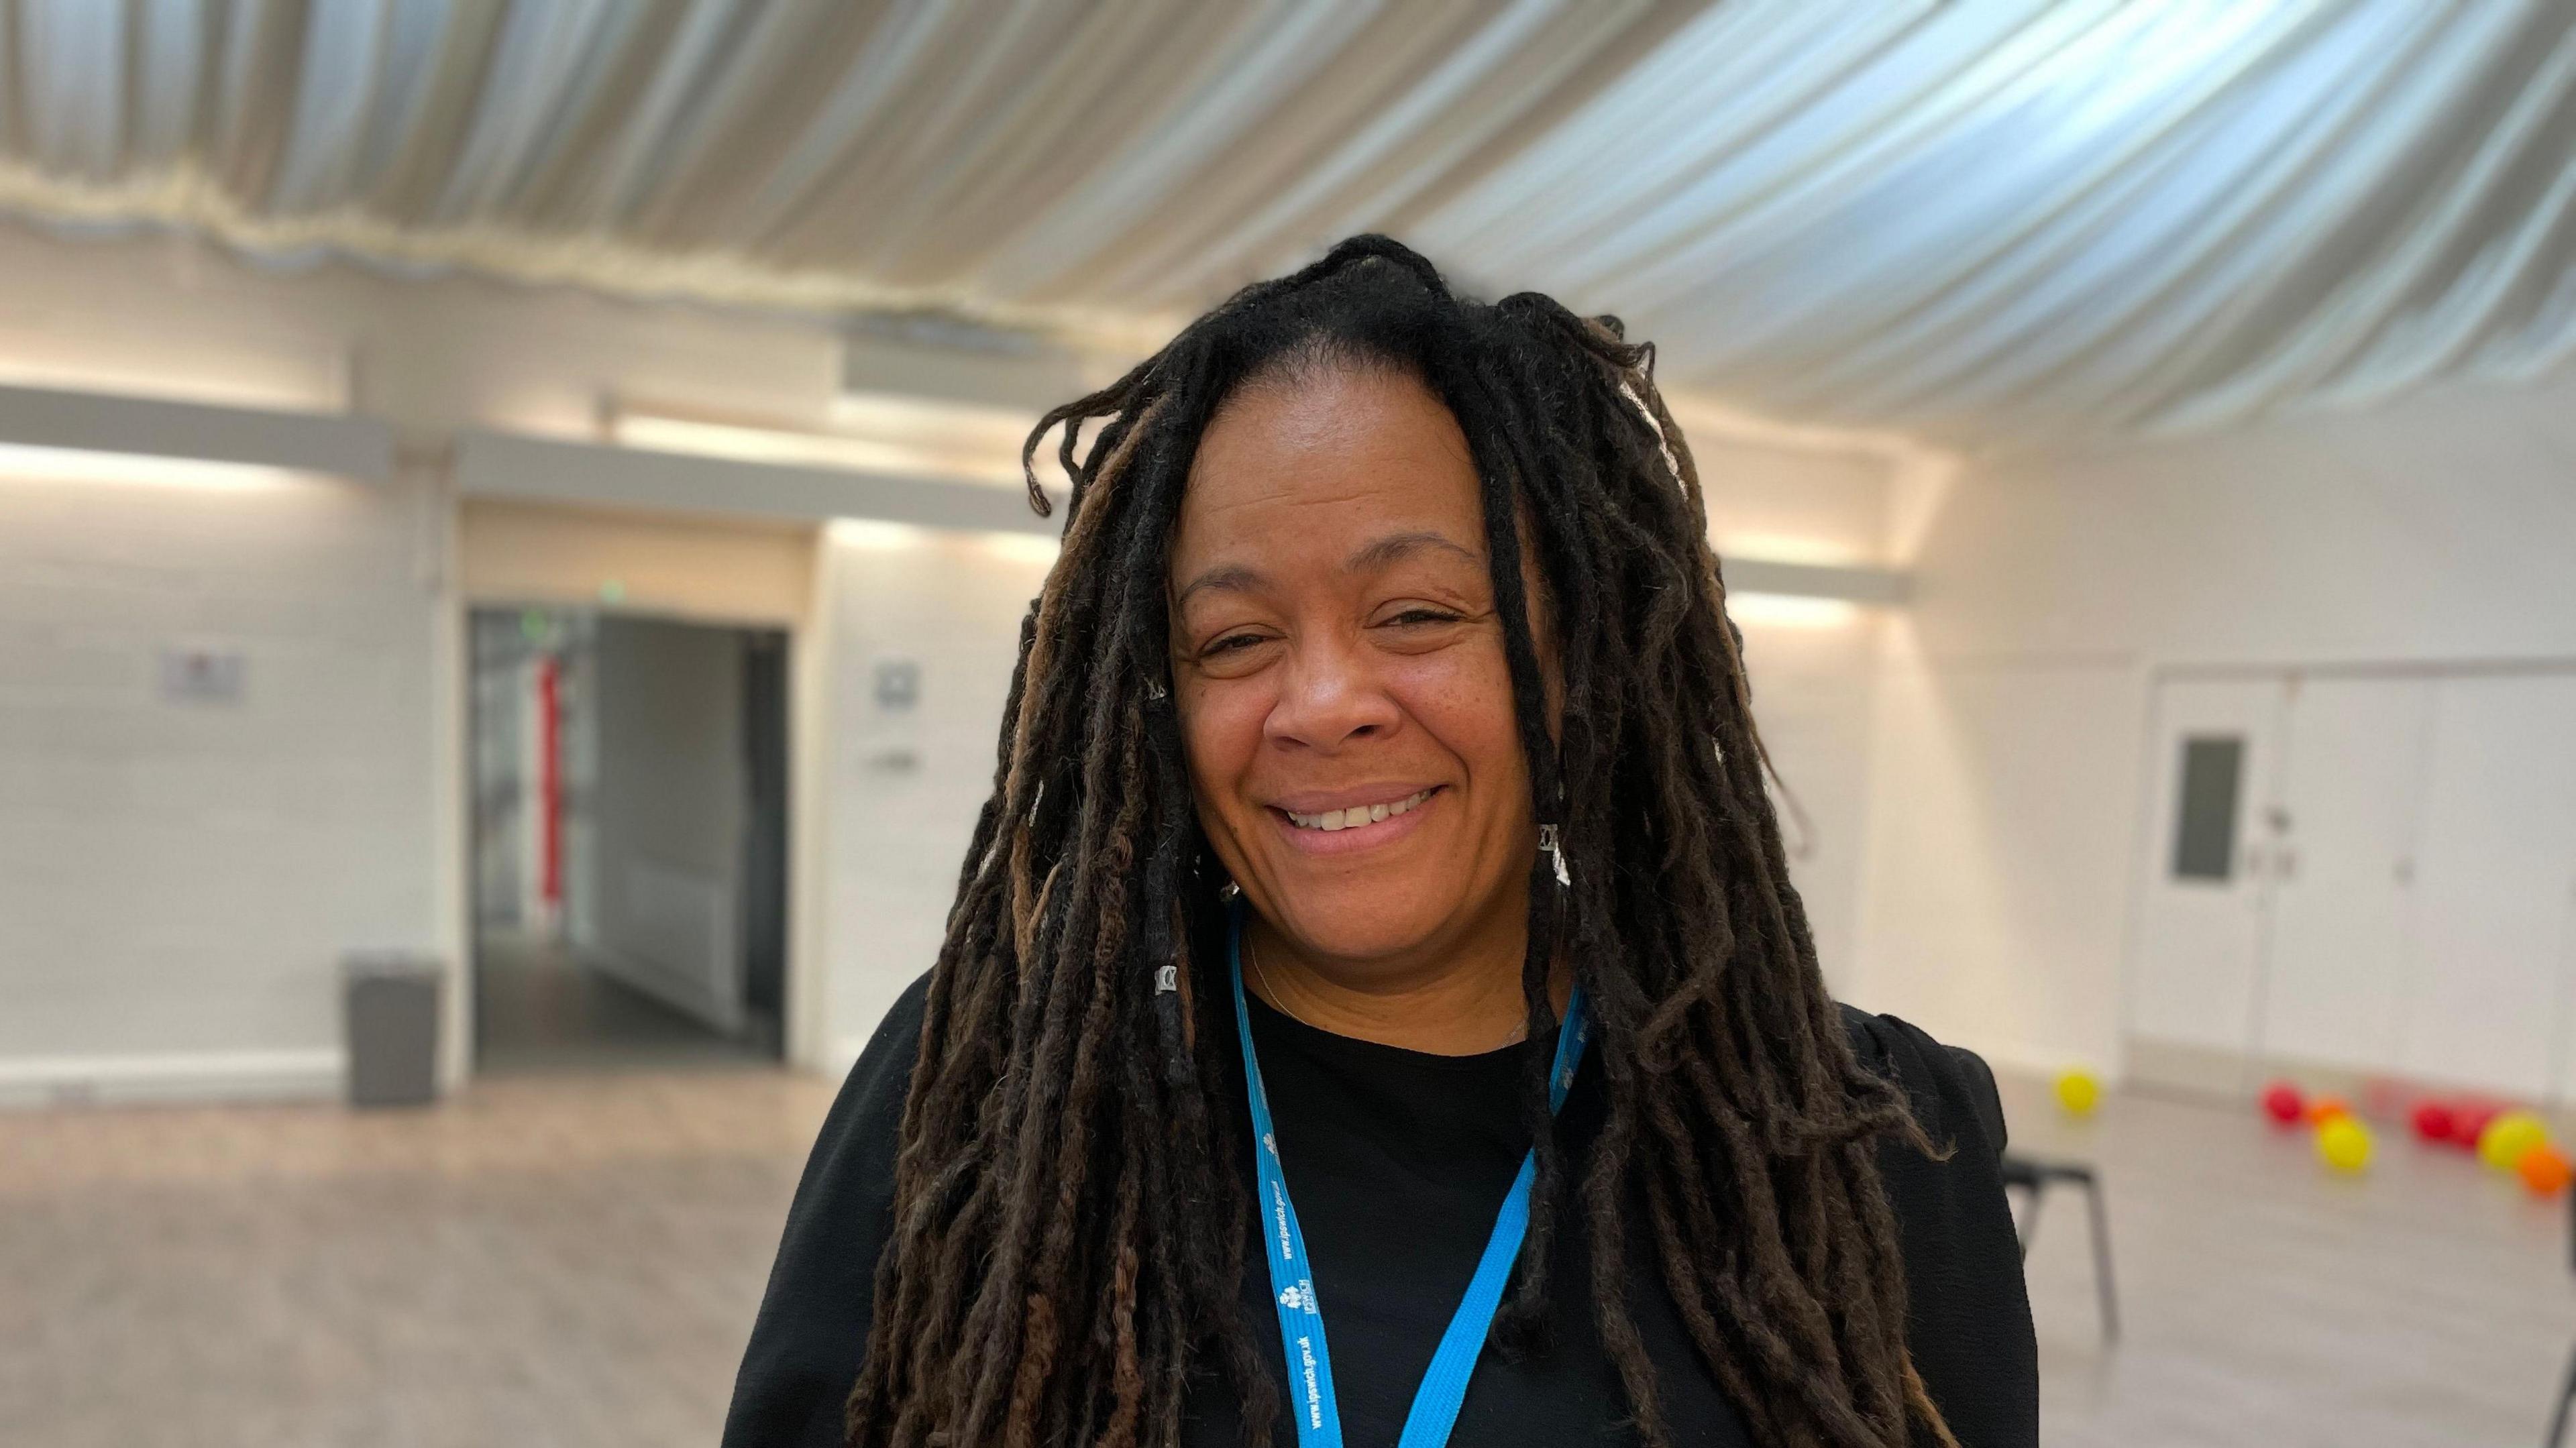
<point>2033,1176</point>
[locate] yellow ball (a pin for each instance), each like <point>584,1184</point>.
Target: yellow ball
<point>2502,1144</point>
<point>2079,1092</point>
<point>2344,1143</point>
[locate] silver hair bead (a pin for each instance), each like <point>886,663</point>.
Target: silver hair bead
<point>1549,840</point>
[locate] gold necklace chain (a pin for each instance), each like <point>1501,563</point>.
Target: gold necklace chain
<point>1270,990</point>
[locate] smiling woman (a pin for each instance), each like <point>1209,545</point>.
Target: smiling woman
<point>1345,706</point>
<point>1380,923</point>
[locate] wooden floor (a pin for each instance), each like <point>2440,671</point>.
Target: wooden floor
<point>549,1260</point>
<point>2426,1304</point>
<point>573,1261</point>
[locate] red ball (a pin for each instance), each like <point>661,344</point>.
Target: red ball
<point>2283,1103</point>
<point>2433,1122</point>
<point>2468,1123</point>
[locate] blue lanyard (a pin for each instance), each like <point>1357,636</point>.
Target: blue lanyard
<point>1292,1282</point>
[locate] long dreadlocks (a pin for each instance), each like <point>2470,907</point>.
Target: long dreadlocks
<point>1070,1227</point>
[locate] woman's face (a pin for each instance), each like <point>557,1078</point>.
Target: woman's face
<point>1339,666</point>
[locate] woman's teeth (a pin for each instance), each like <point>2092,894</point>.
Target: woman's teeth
<point>1356,815</point>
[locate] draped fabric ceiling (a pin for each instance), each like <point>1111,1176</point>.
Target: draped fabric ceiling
<point>1960,221</point>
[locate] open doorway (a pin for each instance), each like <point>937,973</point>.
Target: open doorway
<point>629,841</point>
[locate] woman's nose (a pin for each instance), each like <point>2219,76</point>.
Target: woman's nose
<point>1330,697</point>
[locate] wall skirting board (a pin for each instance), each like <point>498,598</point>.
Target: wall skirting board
<point>319,1074</point>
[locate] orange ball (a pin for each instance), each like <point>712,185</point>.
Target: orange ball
<point>2545,1170</point>
<point>2327,1108</point>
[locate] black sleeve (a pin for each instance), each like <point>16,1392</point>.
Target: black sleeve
<point>813,1323</point>
<point>1970,1330</point>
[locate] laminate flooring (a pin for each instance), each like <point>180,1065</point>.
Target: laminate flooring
<point>542,1260</point>
<point>574,1260</point>
<point>2270,1303</point>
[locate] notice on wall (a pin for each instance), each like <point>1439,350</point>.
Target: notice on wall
<point>202,676</point>
<point>894,733</point>
<point>898,685</point>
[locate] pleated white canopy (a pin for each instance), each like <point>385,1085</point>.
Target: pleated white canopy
<point>1960,221</point>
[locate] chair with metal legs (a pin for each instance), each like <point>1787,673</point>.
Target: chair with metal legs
<point>2558,1419</point>
<point>2034,1176</point>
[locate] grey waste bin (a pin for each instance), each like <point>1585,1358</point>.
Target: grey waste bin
<point>391,1001</point>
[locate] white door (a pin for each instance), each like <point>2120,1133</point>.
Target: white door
<point>2351,782</point>
<point>2487,997</point>
<point>2194,984</point>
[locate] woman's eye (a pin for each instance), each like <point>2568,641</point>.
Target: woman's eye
<point>1229,643</point>
<point>1412,616</point>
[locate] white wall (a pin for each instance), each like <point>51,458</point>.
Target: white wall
<point>368,577</point>
<point>1813,667</point>
<point>2007,785</point>
<point>1814,690</point>
<point>2001,821</point>
<point>178,879</point>
<point>904,784</point>
<point>175,886</point>
<point>163,315</point>
<point>668,813</point>
<point>1796,504</point>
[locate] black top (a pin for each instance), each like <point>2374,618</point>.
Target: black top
<point>1398,1161</point>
